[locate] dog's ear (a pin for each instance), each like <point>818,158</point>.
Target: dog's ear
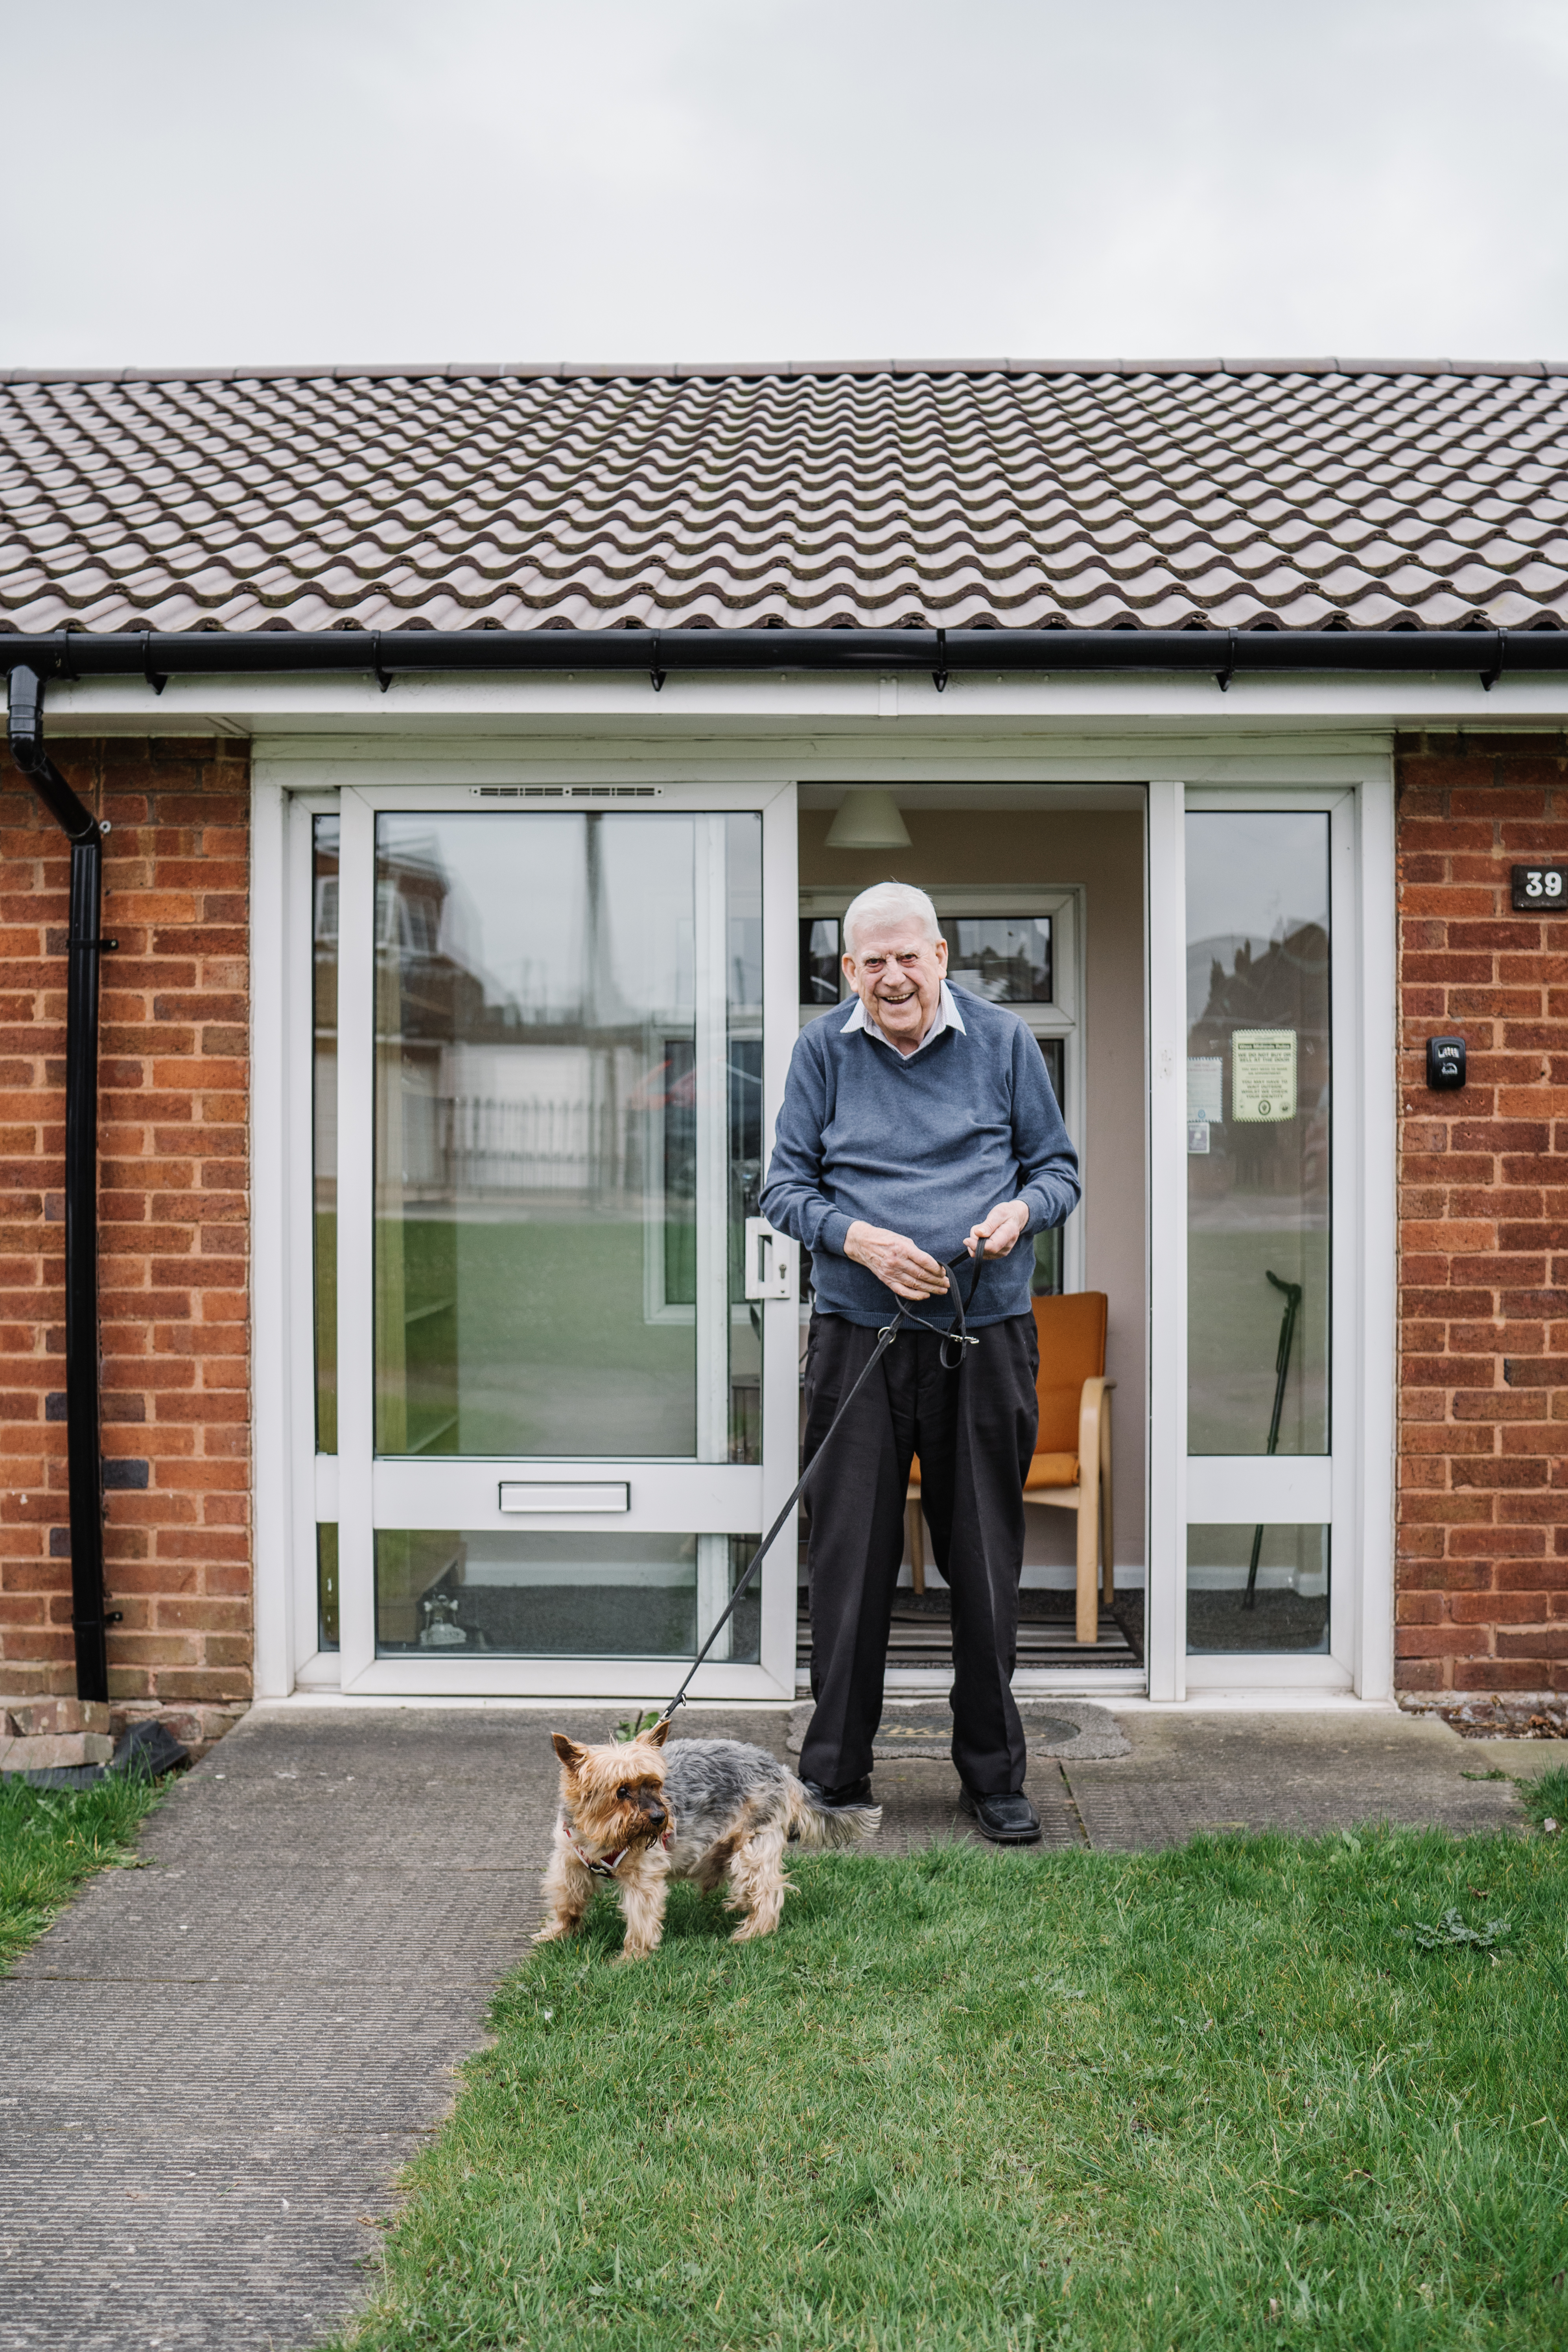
<point>570,1755</point>
<point>658,1733</point>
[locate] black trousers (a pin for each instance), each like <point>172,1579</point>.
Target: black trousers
<point>973,1430</point>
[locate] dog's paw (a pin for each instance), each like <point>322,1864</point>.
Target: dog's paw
<point>556,1932</point>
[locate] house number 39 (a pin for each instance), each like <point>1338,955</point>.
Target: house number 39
<point>1538,886</point>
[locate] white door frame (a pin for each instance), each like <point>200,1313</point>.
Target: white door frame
<point>292,1489</point>
<point>710,1496</point>
<point>1351,1488</point>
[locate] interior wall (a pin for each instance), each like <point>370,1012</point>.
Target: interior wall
<point>1102,854</point>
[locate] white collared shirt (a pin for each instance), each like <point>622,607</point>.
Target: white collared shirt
<point>948,1017</point>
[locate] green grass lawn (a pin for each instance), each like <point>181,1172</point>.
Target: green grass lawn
<point>1252,2092</point>
<point>51,1839</point>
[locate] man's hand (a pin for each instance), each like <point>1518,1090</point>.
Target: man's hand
<point>894,1259</point>
<point>997,1234</point>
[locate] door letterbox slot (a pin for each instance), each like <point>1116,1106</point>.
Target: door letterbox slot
<point>554,1494</point>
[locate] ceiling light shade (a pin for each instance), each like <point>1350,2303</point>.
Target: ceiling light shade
<point>868,819</point>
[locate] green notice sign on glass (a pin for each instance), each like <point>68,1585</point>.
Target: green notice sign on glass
<point>1262,1076</point>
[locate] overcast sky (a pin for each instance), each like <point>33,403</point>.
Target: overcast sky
<point>198,181</point>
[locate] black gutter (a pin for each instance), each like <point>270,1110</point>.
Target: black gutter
<point>84,1462</point>
<point>388,654</point>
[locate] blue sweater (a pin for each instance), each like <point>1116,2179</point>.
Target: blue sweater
<point>924,1147</point>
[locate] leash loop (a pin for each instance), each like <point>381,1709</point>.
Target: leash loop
<point>958,1337</point>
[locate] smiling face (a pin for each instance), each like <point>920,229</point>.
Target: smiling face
<point>897,973</point>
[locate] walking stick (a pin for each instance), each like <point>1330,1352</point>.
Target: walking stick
<point>1292,1291</point>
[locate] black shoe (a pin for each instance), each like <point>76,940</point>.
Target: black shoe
<point>1005,1819</point>
<point>828,1801</point>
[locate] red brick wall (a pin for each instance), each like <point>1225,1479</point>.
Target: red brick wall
<point>174,1177</point>
<point>1483,1499</point>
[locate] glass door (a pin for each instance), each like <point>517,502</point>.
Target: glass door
<point>552,1100</point>
<point>1259,1083</point>
<point>1261,1504</point>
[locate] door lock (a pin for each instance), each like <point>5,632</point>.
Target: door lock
<point>770,1262</point>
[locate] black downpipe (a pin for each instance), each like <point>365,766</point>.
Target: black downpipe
<point>83,1450</point>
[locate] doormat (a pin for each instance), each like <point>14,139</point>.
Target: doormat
<point>1052,1727</point>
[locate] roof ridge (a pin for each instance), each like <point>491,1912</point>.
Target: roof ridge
<point>642,372</point>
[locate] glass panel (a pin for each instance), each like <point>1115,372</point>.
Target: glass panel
<point>1047,1280</point>
<point>324,1122</point>
<point>744,1039</point>
<point>326,1587</point>
<point>522,1593</point>
<point>1008,959</point>
<point>1257,1133</point>
<point>1288,1570</point>
<point>551,1046</point>
<point>820,971</point>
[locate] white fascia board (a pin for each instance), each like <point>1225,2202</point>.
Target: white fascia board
<point>625,702</point>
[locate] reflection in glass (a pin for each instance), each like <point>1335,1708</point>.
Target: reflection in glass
<point>568,1057</point>
<point>1287,1568</point>
<point>820,971</point>
<point>444,1593</point>
<point>324,1122</point>
<point>327,1586</point>
<point>1257,1133</point>
<point>743,1055</point>
<point>1008,959</point>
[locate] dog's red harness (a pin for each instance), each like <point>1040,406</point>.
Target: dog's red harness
<point>605,1865</point>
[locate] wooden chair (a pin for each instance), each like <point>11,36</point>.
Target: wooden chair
<point>1071,1468</point>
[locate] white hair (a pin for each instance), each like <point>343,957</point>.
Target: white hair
<point>891,902</point>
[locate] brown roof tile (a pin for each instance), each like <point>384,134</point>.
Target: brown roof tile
<point>1157,493</point>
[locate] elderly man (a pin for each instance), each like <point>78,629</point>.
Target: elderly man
<point>921,1124</point>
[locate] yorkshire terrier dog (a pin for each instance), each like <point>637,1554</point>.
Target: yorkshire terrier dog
<point>709,1810</point>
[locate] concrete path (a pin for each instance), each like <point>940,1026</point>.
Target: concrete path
<point>1306,1773</point>
<point>211,2067</point>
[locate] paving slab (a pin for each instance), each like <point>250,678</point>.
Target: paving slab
<point>1067,1728</point>
<point>1216,1770</point>
<point>213,2065</point>
<point>918,1797</point>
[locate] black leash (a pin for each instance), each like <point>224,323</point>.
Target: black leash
<point>956,1338</point>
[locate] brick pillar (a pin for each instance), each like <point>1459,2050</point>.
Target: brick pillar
<point>173,1179</point>
<point>1482,1580</point>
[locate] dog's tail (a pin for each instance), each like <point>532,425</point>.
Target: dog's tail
<point>828,1825</point>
